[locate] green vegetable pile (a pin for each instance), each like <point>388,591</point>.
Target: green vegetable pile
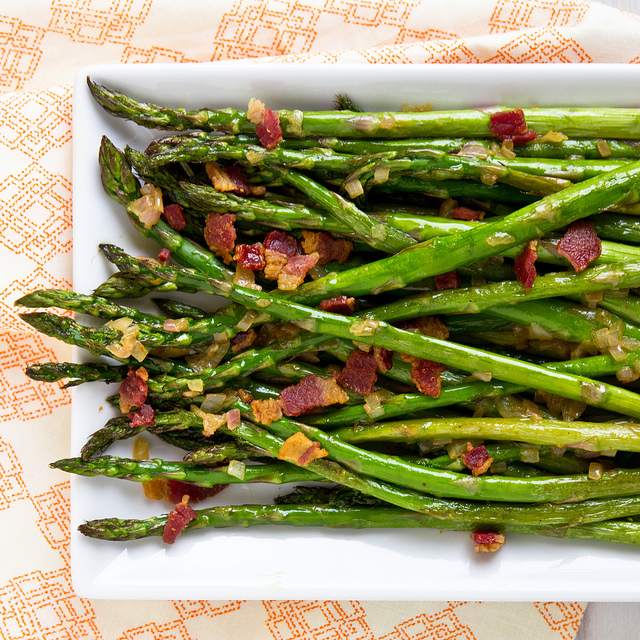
<point>539,378</point>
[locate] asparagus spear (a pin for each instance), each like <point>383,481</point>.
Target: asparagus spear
<point>575,123</point>
<point>119,530</point>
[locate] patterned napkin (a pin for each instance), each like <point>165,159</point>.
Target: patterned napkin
<point>42,44</point>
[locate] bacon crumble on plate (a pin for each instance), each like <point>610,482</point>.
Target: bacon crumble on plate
<point>269,131</point>
<point>464,213</point>
<point>477,459</point>
<point>487,541</point>
<point>430,326</point>
<point>300,450</point>
<point>360,373</point>
<point>266,411</point>
<point>384,358</point>
<point>326,246</point>
<point>340,304</point>
<point>250,256</point>
<point>580,245</point>
<point>448,280</point>
<point>133,389</point>
<point>243,340</point>
<point>173,215</point>
<point>511,125</point>
<point>178,520</point>
<point>311,392</point>
<point>220,234</point>
<point>293,273</point>
<point>144,417</point>
<point>524,265</point>
<point>426,374</point>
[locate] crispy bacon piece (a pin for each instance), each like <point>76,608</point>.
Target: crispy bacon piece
<point>178,520</point>
<point>238,179</point>
<point>464,213</point>
<point>384,358</point>
<point>477,459</point>
<point>340,304</point>
<point>300,450</point>
<point>487,541</point>
<point>427,326</point>
<point>250,256</point>
<point>176,489</point>
<point>327,247</point>
<point>243,340</point>
<point>525,271</point>
<point>281,242</point>
<point>274,263</point>
<point>294,272</point>
<point>360,373</point>
<point>163,256</point>
<point>219,177</point>
<point>580,245</point>
<point>309,393</point>
<point>511,125</point>
<point>266,411</point>
<point>448,280</point>
<point>244,395</point>
<point>269,131</point>
<point>220,234</point>
<point>145,416</point>
<point>133,389</point>
<point>426,376</point>
<point>174,217</point>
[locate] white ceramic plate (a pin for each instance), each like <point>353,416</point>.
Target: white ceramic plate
<point>288,563</point>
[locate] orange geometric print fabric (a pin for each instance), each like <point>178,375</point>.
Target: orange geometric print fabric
<point>43,43</point>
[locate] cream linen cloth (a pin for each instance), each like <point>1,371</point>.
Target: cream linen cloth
<point>42,45</point>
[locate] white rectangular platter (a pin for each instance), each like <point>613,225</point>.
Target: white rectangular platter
<point>316,563</point>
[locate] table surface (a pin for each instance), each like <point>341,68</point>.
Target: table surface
<point>604,620</point>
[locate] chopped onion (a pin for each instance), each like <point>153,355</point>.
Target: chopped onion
<point>529,454</point>
<point>148,208</point>
<point>509,407</point>
<point>591,392</point>
<point>447,207</point>
<point>181,324</point>
<point>354,188</point>
<point>591,298</point>
<point>595,471</point>
<point>500,238</point>
<point>617,353</point>
<point>474,150</point>
<point>233,419</point>
<point>255,111</point>
<point>294,120</point>
<point>387,122</point>
<point>236,468</point>
<point>627,374</point>
<point>212,402</point>
<point>498,467</point>
<point>457,448</point>
<point>489,176</point>
<point>365,327</point>
<point>247,320</point>
<point>195,385</point>
<point>485,376</point>
<point>506,150</point>
<point>538,332</point>
<point>139,351</point>
<point>120,324</point>
<point>552,136</point>
<point>210,358</point>
<point>380,175</point>
<point>572,409</point>
<point>604,148</point>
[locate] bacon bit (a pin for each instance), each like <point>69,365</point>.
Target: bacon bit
<point>269,131</point>
<point>360,373</point>
<point>327,247</point>
<point>274,263</point>
<point>580,245</point>
<point>340,304</point>
<point>309,393</point>
<point>477,459</point>
<point>219,177</point>
<point>243,340</point>
<point>511,125</point>
<point>174,217</point>
<point>426,376</point>
<point>244,396</point>
<point>266,411</point>
<point>281,242</point>
<point>178,520</point>
<point>464,213</point>
<point>220,234</point>
<point>250,256</point>
<point>448,280</point>
<point>384,358</point>
<point>163,256</point>
<point>293,273</point>
<point>525,271</point>
<point>238,179</point>
<point>133,389</point>
<point>234,420</point>
<point>300,450</point>
<point>427,326</point>
<point>175,489</point>
<point>144,417</point>
<point>487,541</point>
